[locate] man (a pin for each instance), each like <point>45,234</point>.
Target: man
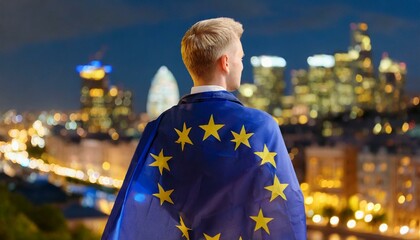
<point>210,168</point>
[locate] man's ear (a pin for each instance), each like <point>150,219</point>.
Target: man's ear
<point>223,61</point>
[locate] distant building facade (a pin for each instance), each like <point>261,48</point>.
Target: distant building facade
<point>321,81</point>
<point>103,107</point>
<point>268,88</point>
<point>163,93</point>
<point>95,106</point>
<point>391,94</point>
<point>362,65</point>
<point>391,179</point>
<point>344,97</point>
<point>332,170</point>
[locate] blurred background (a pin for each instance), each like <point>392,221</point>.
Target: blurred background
<point>79,81</point>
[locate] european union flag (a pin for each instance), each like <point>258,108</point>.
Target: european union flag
<point>209,168</point>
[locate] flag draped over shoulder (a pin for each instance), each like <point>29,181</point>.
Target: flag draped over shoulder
<point>209,168</point>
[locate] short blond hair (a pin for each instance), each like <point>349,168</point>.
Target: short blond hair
<point>204,42</point>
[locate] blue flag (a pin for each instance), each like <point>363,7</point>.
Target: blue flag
<point>209,168</point>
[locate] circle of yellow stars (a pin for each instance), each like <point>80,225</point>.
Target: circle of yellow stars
<point>211,129</point>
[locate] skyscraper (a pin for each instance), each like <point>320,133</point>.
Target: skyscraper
<point>390,97</point>
<point>321,82</point>
<point>104,108</point>
<point>303,97</point>
<point>95,107</point>
<point>363,72</point>
<point>269,79</point>
<point>344,95</point>
<point>122,108</point>
<point>163,93</point>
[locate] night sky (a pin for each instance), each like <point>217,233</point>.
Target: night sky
<point>42,41</point>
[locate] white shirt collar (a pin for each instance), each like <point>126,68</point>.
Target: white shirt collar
<point>207,88</point>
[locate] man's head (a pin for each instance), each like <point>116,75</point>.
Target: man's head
<point>212,47</point>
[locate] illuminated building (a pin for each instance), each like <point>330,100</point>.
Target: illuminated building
<point>122,109</point>
<point>104,108</point>
<point>95,109</point>
<point>376,177</point>
<point>407,198</point>
<point>286,113</point>
<point>163,93</point>
<point>268,74</point>
<point>391,180</point>
<point>321,81</point>
<point>344,95</point>
<point>302,93</point>
<point>362,66</point>
<point>390,97</point>
<point>332,174</point>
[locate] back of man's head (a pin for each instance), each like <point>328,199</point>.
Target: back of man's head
<point>204,42</point>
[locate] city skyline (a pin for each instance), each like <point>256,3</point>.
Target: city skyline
<point>38,60</point>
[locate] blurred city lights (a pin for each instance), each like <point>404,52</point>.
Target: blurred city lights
<point>351,223</point>
<point>334,220</point>
<point>383,227</point>
<point>404,230</point>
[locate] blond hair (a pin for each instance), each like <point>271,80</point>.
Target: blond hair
<point>204,42</point>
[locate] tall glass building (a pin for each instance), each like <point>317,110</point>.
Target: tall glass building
<point>95,99</point>
<point>362,66</point>
<point>163,93</point>
<point>321,80</point>
<point>303,97</point>
<point>104,108</point>
<point>268,74</point>
<point>391,93</point>
<point>344,95</point>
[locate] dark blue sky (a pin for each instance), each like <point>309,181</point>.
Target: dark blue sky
<point>42,41</point>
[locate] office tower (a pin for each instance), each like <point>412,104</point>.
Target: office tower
<point>286,115</point>
<point>321,81</point>
<point>122,110</point>
<point>163,93</point>
<point>344,95</point>
<point>390,97</point>
<point>268,74</point>
<point>95,107</point>
<point>363,72</point>
<point>303,97</point>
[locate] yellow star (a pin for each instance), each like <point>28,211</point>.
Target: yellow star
<point>183,228</point>
<point>211,129</point>
<point>164,195</point>
<point>266,156</point>
<point>261,221</point>
<point>217,237</point>
<point>183,136</point>
<point>161,161</point>
<point>277,189</point>
<point>242,137</point>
